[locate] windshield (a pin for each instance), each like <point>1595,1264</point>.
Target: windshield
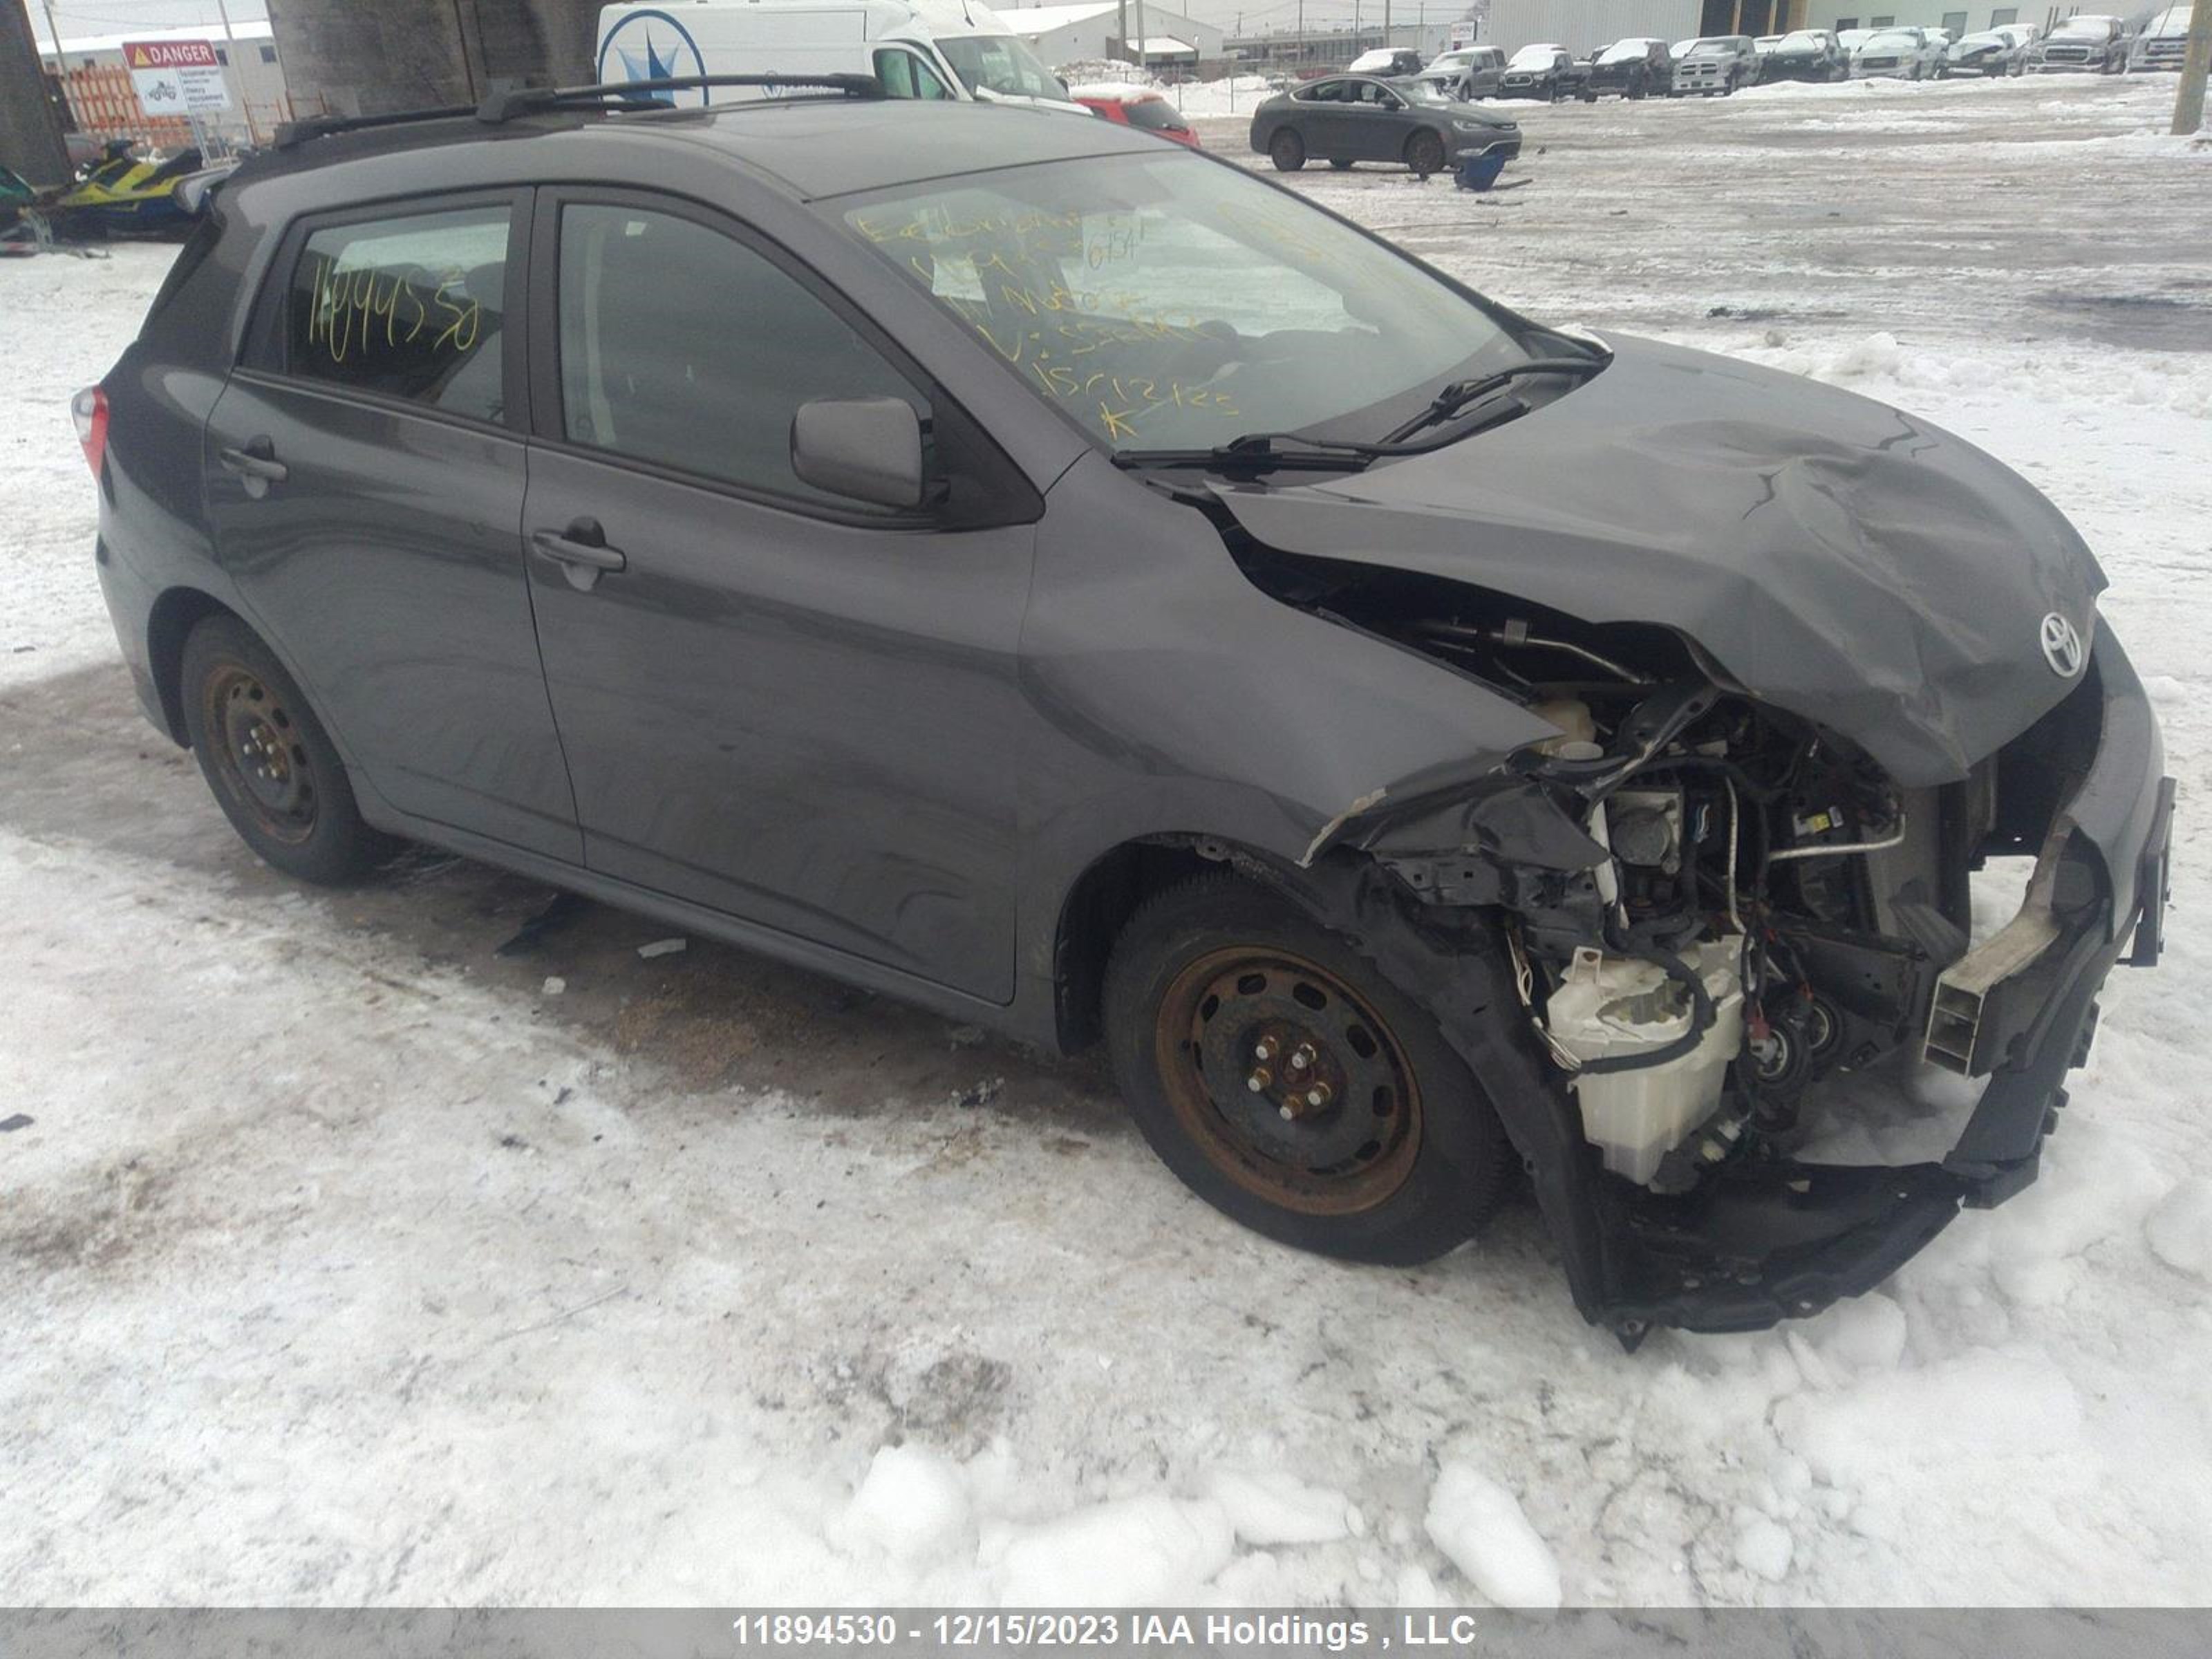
<point>1422,92</point>
<point>2076,28</point>
<point>1895,41</point>
<point>1713,49</point>
<point>1533,57</point>
<point>1167,303</point>
<point>1000,63</point>
<point>1624,51</point>
<point>1801,41</point>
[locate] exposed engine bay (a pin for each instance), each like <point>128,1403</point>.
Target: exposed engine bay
<point>1711,904</point>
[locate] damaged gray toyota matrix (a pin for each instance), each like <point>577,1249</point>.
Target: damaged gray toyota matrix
<point>1070,583</point>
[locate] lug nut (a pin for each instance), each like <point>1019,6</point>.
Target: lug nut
<point>1265,1051</point>
<point>1259,1080</point>
<point>1302,1058</point>
<point>1318,1095</point>
<point>1288,1115</point>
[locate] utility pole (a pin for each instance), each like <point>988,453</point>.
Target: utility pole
<point>2188,102</point>
<point>1122,23</point>
<point>252,131</point>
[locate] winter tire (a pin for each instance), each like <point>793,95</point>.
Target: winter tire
<point>1287,151</point>
<point>1288,1084</point>
<point>1425,154</point>
<point>271,766</point>
<point>1340,164</point>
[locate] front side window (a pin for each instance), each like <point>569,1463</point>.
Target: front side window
<point>408,308</point>
<point>649,371</point>
<point>1000,63</point>
<point>1164,302</point>
<point>904,75</point>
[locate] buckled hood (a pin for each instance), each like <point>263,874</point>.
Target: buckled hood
<point>1840,559</point>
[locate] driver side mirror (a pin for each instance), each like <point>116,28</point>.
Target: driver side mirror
<point>867,448</point>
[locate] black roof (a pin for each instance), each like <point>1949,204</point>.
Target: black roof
<point>829,147</point>
<point>814,146</point>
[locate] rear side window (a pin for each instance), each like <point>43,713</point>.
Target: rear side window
<point>683,346</point>
<point>1156,114</point>
<point>411,307</point>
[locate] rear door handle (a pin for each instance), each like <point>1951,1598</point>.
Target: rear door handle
<point>256,464</point>
<point>581,551</point>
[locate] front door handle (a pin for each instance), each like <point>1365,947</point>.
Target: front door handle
<point>581,551</point>
<point>256,464</point>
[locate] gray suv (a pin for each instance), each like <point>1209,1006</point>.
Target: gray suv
<point>1070,583</point>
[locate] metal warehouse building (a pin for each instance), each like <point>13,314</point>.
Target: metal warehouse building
<point>1581,25</point>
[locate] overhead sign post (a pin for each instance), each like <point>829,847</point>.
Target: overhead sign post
<point>177,77</point>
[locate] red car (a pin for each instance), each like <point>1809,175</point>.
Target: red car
<point>1136,106</point>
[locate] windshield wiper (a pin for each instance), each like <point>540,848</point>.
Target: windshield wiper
<point>1461,394</point>
<point>1258,452</point>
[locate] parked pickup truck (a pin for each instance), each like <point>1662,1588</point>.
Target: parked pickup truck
<point>1716,65</point>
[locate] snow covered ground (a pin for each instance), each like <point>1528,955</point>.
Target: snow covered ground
<point>342,1259</point>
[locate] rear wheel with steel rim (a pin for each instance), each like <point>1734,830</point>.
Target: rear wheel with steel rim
<point>1290,1085</point>
<point>268,760</point>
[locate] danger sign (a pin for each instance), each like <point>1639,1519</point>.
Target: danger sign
<point>176,77</point>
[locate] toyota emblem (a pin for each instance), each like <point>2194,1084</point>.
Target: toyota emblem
<point>2062,646</point>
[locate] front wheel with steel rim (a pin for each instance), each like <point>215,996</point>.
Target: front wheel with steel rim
<point>1287,151</point>
<point>271,766</point>
<point>1290,1085</point>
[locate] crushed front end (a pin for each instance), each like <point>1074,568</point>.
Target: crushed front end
<point>1713,907</point>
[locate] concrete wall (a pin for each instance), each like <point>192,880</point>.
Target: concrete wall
<point>30,136</point>
<point>1581,25</point>
<point>365,56</point>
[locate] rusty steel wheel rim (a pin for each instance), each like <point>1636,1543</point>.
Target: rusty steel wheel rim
<point>260,753</point>
<point>1289,1081</point>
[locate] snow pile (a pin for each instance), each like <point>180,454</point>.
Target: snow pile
<point>1479,1526</point>
<point>1118,91</point>
<point>913,1505</point>
<point>2180,1230</point>
<point>1235,95</point>
<point>1149,1549</point>
<point>1104,71</point>
<point>1883,365</point>
<point>1269,1506</point>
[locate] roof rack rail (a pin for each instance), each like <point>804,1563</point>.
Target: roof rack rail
<point>503,107</point>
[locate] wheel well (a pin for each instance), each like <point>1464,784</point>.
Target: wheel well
<point>1096,909</point>
<point>175,614</point>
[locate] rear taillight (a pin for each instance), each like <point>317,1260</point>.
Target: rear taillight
<point>89,408</point>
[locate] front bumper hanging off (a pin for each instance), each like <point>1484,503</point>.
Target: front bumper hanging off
<point>1777,1239</point>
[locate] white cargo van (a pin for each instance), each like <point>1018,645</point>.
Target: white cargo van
<point>952,49</point>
